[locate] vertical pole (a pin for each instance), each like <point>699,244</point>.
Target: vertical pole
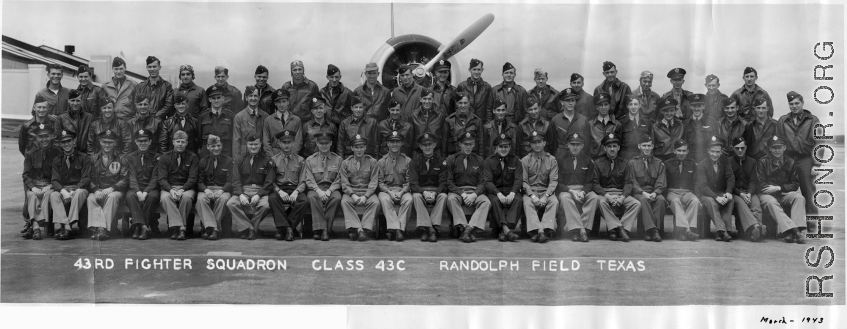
<point>392,20</point>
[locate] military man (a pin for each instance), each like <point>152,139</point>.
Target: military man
<point>40,115</point>
<point>89,92</point>
<point>584,103</point>
<point>289,189</point>
<point>677,77</point>
<point>748,92</point>
<point>747,205</point>
<point>502,175</point>
<point>464,181</point>
<point>667,130</point>
<point>396,123</point>
<point>501,124</point>
<point>320,123</point>
<point>108,184</point>
<point>714,182</point>
<point>144,119</point>
<point>731,125</point>
<point>714,98</point>
<point>680,173</point>
<point>479,93</point>
<point>393,185</point>
<point>159,91</point>
<point>761,130</point>
<point>798,129</point>
<point>121,90</point>
<point>600,125</point>
<point>535,122</point>
<point>777,181</point>
<point>320,173</point>
<point>511,94</point>
<point>357,124</point>
<point>37,176</point>
<point>428,187</point>
<point>251,187</point>
<point>283,120</point>
<point>232,99</point>
<point>54,94</point>
<point>576,179</point>
<point>373,94</point>
<point>177,173</point>
<point>568,122</point>
<point>194,95</point>
<point>649,98</point>
<point>616,88</point>
<point>540,181</point>
<point>359,176</point>
<point>699,128</point>
<point>250,119</point>
<point>218,119</point>
<point>427,119</point>
<point>70,179</point>
<point>545,94</point>
<point>142,198</point>
<point>215,180</point>
<point>633,125</point>
<point>408,92</point>
<point>182,120</point>
<point>109,121</point>
<point>461,122</point>
<point>263,89</point>
<point>337,96</point>
<point>442,91</point>
<point>302,92</point>
<point>610,185</point>
<point>647,183</point>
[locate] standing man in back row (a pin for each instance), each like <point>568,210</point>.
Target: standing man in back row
<point>302,91</point>
<point>121,90</point>
<point>511,94</point>
<point>160,91</point>
<point>614,87</point>
<point>479,93</point>
<point>373,94</point>
<point>408,92</point>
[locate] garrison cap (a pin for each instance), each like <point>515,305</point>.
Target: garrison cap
<point>750,69</point>
<point>107,134</point>
<point>610,139</point>
<point>645,138</point>
<point>252,137</point>
<point>474,63</point>
<point>503,139</point>
<point>216,90</point>
<point>738,140</point>
<point>74,94</point>
<point>151,59</point>
<point>392,103</point>
<point>425,138</point>
<point>677,73</point>
<point>143,133</point>
<point>179,98</point>
<point>508,66</point>
<point>716,141</point>
<point>286,135</point>
<point>394,136</point>
<point>404,68</point>
<point>575,137</point>
<point>324,137</point>
<point>358,140</point>
<point>105,101</point>
<point>535,137</point>
<point>249,90</point>
<point>711,77</point>
<point>358,100</point>
<point>601,98</point>
<point>280,94</point>
<point>43,129</point>
<point>117,61</point>
<point>66,135</point>
<point>468,136</point>
<point>668,103</point>
<point>261,69</point>
<point>530,101</point>
<point>576,76</point>
<point>442,65</point>
<point>318,99</point>
<point>498,103</point>
<point>83,69</point>
<point>792,95</point>
<point>39,99</point>
<point>696,99</point>
<point>371,67</point>
<point>539,73</point>
<point>607,65</point>
<point>568,93</point>
<point>759,101</point>
<point>332,69</point>
<point>141,97</point>
<point>727,101</point>
<point>679,143</point>
<point>776,141</point>
<point>425,92</point>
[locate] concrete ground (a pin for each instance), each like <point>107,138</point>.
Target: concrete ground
<point>667,273</point>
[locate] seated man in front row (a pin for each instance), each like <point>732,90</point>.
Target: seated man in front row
<point>288,187</point>
<point>37,170</point>
<point>428,187</point>
<point>464,181</point>
<point>70,177</point>
<point>215,182</point>
<point>714,182</point>
<point>680,171</point>
<point>747,205</point>
<point>177,174</point>
<point>321,176</point>
<point>540,179</point>
<point>777,182</point>
<point>142,198</point>
<point>251,187</point>
<point>108,183</point>
<point>576,179</point>
<point>393,183</point>
<point>614,190</point>
<point>358,182</point>
<point>647,177</point>
<point>502,176</point>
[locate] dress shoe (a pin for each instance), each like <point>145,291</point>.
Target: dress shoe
<point>317,235</point>
<point>623,234</point>
<point>764,229</point>
<point>102,234</point>
<point>363,236</point>
<point>534,237</point>
<point>352,234</point>
<point>205,234</point>
<point>789,237</point>
<point>583,236</point>
<point>691,236</point>
<point>181,235</point>
<point>27,227</point>
<point>575,237</point>
<point>424,234</point>
<point>466,236</point>
<point>289,234</point>
<point>433,235</point>
<point>145,234</point>
<point>36,234</point>
<point>471,234</point>
<point>502,236</point>
<point>278,234</point>
<point>648,236</point>
<point>174,233</point>
<point>657,237</point>
<point>399,237</point>
<point>725,237</point>
<point>28,233</point>
<point>63,234</point>
<point>512,237</point>
<point>136,231</point>
<point>798,236</point>
<point>389,235</point>
<point>325,235</point>
<point>251,234</point>
<point>542,237</point>
<point>613,236</point>
<point>755,233</point>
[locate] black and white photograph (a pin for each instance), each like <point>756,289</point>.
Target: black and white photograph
<point>626,164</point>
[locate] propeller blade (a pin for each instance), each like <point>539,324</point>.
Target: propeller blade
<point>459,42</point>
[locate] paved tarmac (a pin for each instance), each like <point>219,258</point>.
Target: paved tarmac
<point>644,273</point>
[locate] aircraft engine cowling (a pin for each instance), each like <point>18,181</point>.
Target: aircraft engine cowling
<point>412,49</point>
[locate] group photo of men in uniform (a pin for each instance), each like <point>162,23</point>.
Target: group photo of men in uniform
<point>537,164</point>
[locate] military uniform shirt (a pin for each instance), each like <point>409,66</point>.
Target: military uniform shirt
<point>459,175</point>
<point>502,174</point>
<point>177,170</point>
<point>359,175</point>
<point>222,175</point>
<point>71,170</point>
<point>260,172</point>
<point>104,175</point>
<point>322,172</point>
<point>142,173</point>
<point>289,170</point>
<point>646,175</point>
<point>393,172</point>
<point>427,172</point>
<point>681,177</point>
<point>540,173</point>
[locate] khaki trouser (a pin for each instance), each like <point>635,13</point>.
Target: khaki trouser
<point>323,213</point>
<point>684,206</point>
<point>78,196</point>
<point>721,215</point>
<point>396,220</point>
<point>455,205</point>
<point>177,212</point>
<point>774,204</point>
<point>575,220</point>
<point>429,219</point>
<point>351,218</point>
<point>631,208</point>
<point>101,213</point>
<point>39,208</point>
<point>548,219</point>
<point>239,216</point>
<point>211,212</point>
<point>749,215</point>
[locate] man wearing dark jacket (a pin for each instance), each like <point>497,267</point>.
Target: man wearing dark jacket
<point>143,194</point>
<point>511,94</point>
<point>251,188</point>
<point>215,179</point>
<point>428,186</point>
<point>464,181</point>
<point>70,180</point>
<point>177,173</point>
<point>480,94</point>
<point>614,87</point>
<point>159,90</point>
<point>798,129</point>
<point>777,182</point>
<point>715,181</point>
<point>108,184</point>
<point>337,96</point>
<point>503,175</point>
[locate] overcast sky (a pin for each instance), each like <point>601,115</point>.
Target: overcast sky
<point>703,39</point>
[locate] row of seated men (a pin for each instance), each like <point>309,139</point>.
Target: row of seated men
<point>541,189</point>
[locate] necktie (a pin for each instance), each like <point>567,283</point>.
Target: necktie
<point>106,160</point>
<point>142,160</point>
<point>613,166</point>
<point>646,167</point>
<point>680,167</point>
<point>216,163</point>
<point>396,174</point>
<point>574,163</point>
<point>358,165</point>
<point>427,164</point>
<point>502,164</point>
<point>323,164</point>
<point>68,161</point>
<point>285,162</point>
<point>466,162</point>
<point>178,160</point>
<point>251,160</point>
<point>715,166</point>
<point>182,122</point>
